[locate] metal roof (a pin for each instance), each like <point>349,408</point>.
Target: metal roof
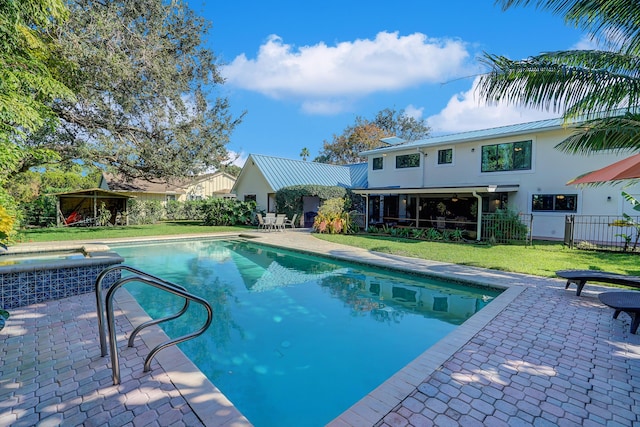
<point>490,188</point>
<point>280,172</point>
<point>477,135</point>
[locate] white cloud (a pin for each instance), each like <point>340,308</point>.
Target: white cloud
<point>238,158</point>
<point>586,43</point>
<point>325,106</point>
<point>414,112</point>
<point>322,75</point>
<point>464,112</point>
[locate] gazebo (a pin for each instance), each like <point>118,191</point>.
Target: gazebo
<point>82,207</point>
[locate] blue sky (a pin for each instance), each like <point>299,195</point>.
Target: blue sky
<point>303,71</point>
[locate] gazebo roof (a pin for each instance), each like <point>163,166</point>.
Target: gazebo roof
<point>93,192</point>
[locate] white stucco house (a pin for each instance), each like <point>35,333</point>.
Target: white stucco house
<point>476,172</point>
<point>452,180</point>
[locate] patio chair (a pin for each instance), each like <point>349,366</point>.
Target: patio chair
<point>262,225</point>
<point>291,222</point>
<point>278,224</point>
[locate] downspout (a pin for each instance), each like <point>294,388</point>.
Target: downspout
<point>479,216</point>
<point>366,212</point>
<point>422,165</point>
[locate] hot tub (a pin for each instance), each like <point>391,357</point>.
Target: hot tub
<point>29,275</point>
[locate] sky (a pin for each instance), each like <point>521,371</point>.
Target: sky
<point>303,71</point>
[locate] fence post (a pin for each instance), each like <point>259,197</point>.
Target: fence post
<point>568,230</point>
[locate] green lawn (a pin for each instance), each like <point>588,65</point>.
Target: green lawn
<point>541,259</point>
<point>91,233</point>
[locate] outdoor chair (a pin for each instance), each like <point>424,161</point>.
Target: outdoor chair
<point>278,224</point>
<point>262,225</point>
<point>291,222</point>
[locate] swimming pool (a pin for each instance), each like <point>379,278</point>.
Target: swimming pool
<point>296,339</point>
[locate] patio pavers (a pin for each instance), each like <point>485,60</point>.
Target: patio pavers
<point>541,356</point>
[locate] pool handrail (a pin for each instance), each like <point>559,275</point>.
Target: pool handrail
<point>100,305</point>
<point>157,283</point>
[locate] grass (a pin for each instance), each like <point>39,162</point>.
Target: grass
<point>169,228</point>
<point>541,259</point>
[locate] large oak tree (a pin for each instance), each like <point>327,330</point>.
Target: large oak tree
<point>146,91</point>
<point>29,78</point>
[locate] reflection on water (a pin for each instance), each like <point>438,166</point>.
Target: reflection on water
<point>288,326</point>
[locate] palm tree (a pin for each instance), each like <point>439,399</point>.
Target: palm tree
<point>304,153</point>
<point>601,87</point>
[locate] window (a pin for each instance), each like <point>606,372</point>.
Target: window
<point>377,163</point>
<point>509,156</point>
<point>250,198</point>
<point>554,202</point>
<point>408,161</point>
<point>170,198</point>
<point>445,157</point>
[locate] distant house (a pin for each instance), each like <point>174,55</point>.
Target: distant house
<point>216,184</point>
<point>262,176</point>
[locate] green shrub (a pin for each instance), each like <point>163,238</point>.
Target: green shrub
<point>503,226</point>
<point>332,217</point>
<point>223,211</point>
<point>290,199</point>
<point>144,211</point>
<point>40,212</point>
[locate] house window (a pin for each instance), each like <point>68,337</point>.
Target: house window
<point>509,156</point>
<point>408,161</point>
<point>554,202</point>
<point>170,198</point>
<point>250,198</point>
<point>445,157</point>
<point>377,163</point>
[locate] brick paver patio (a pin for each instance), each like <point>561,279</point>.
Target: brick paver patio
<point>540,356</point>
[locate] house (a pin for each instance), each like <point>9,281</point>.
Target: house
<point>217,184</point>
<point>262,176</point>
<point>453,179</point>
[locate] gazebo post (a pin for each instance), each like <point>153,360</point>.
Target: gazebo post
<point>58,213</point>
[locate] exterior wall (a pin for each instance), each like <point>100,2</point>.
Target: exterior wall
<point>389,176</point>
<point>550,170</point>
<point>252,182</point>
<point>211,186</point>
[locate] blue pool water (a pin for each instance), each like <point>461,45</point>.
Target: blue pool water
<point>296,339</point>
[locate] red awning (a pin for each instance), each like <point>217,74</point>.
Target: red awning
<point>628,168</point>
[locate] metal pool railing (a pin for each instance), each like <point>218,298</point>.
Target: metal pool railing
<point>142,277</point>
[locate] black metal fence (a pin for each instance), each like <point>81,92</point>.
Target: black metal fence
<point>506,227</point>
<point>602,232</point>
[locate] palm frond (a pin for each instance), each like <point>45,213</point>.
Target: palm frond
<point>580,82</point>
<point>616,134</point>
<point>615,23</point>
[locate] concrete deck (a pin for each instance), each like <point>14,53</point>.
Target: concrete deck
<point>537,355</point>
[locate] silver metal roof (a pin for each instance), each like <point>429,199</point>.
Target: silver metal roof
<point>280,172</point>
<point>478,135</point>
